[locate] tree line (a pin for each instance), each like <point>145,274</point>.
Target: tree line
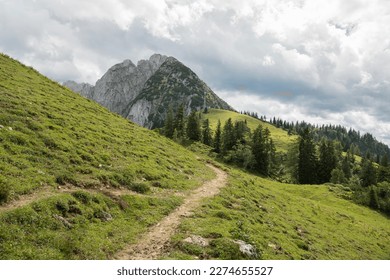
<point>326,162</point>
<point>308,161</point>
<point>233,142</point>
<point>349,138</point>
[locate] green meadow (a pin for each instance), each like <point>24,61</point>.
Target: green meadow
<point>52,139</point>
<point>79,182</point>
<point>283,221</point>
<point>280,137</point>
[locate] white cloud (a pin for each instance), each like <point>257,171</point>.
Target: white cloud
<point>331,56</point>
<point>268,61</point>
<point>357,118</point>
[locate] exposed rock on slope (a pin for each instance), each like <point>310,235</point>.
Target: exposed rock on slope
<point>143,93</point>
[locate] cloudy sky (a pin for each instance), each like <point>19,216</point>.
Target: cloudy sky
<point>323,61</point>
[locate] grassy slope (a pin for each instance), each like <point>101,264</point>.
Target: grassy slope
<point>280,137</point>
<point>283,222</point>
<point>59,137</point>
<point>52,136</point>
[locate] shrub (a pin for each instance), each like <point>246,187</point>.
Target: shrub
<point>139,187</point>
<point>62,206</point>
<point>64,178</point>
<point>4,191</point>
<point>83,197</point>
<point>226,249</point>
<point>18,139</point>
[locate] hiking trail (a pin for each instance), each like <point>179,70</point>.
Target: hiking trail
<point>154,242</point>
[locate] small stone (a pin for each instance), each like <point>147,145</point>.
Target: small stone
<point>246,248</point>
<point>104,216</point>
<point>10,128</point>
<point>63,220</point>
<point>197,240</point>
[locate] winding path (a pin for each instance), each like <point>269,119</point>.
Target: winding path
<point>152,245</point>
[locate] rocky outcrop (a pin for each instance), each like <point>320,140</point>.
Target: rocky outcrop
<point>84,89</point>
<point>143,93</point>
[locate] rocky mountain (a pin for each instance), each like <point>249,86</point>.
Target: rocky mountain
<point>144,92</point>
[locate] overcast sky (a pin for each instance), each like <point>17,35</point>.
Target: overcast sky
<point>323,61</point>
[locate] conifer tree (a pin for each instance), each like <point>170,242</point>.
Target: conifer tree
<point>240,129</point>
<point>260,151</point>
<point>337,176</point>
<point>218,138</point>
<point>385,161</point>
<point>327,161</point>
<point>228,137</point>
<point>193,127</point>
<point>346,165</point>
<point>307,161</point>
<point>207,138</point>
<point>168,126</point>
<point>179,122</point>
<point>384,170</point>
<point>367,173</point>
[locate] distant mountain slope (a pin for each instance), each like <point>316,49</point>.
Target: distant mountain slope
<point>280,137</point>
<point>143,93</point>
<point>349,138</point>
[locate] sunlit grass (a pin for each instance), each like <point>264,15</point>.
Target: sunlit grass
<point>280,137</point>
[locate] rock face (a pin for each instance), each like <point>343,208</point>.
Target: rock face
<point>84,89</point>
<point>143,93</point>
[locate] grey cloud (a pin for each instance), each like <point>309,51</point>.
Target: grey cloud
<point>331,63</point>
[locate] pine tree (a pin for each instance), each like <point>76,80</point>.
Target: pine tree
<point>385,161</point>
<point>207,138</point>
<point>346,165</point>
<point>193,127</point>
<point>218,138</point>
<point>327,161</point>
<point>240,129</point>
<point>337,176</point>
<point>228,137</point>
<point>179,122</point>
<point>307,161</point>
<point>260,150</point>
<point>384,170</point>
<point>168,126</point>
<point>367,173</point>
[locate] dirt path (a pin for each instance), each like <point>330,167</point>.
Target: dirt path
<point>153,243</point>
<point>28,198</point>
<point>48,191</point>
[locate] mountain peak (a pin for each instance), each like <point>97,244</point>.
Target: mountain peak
<point>144,92</point>
<point>158,58</point>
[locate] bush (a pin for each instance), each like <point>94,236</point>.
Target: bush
<point>64,178</point>
<point>82,196</point>
<point>226,249</point>
<point>139,187</point>
<point>5,191</point>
